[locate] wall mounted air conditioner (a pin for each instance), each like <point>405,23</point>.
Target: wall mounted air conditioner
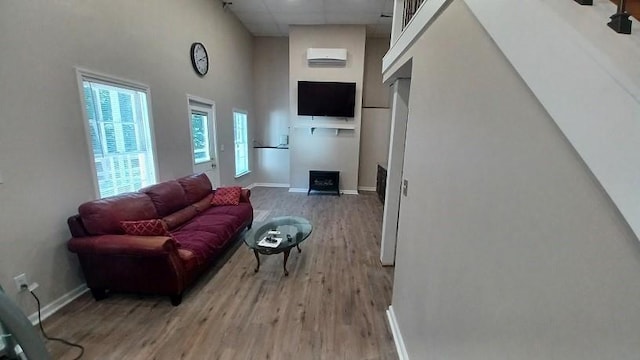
<point>327,57</point>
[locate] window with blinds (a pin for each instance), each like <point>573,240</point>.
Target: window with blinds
<point>241,145</point>
<point>120,136</point>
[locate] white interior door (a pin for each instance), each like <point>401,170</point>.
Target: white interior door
<point>203,138</point>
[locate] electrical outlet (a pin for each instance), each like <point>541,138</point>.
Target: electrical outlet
<point>21,282</point>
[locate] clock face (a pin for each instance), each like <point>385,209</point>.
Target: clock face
<point>199,58</point>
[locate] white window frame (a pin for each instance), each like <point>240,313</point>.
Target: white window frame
<point>235,161</point>
<point>88,75</point>
<point>199,104</point>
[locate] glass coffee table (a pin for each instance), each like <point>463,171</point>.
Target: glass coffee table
<point>291,230</point>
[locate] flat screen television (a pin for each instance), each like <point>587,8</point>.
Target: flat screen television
<point>316,98</point>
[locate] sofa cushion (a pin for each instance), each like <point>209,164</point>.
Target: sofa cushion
<point>168,197</point>
<point>180,217</point>
<point>227,196</point>
<point>203,244</point>
<point>103,216</point>
<point>223,225</point>
<point>242,212</point>
<point>195,187</point>
<point>153,227</point>
<point>204,204</point>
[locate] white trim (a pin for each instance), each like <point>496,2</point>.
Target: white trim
<point>201,100</point>
<point>421,20</point>
<point>367,188</point>
<point>397,336</point>
<point>110,79</point>
<point>298,190</point>
<point>242,174</point>
<point>272,185</point>
<point>593,107</point>
<point>58,304</point>
<point>207,106</point>
<point>391,213</point>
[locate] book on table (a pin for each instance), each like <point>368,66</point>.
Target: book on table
<point>270,242</point>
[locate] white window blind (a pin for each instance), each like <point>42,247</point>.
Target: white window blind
<point>120,136</point>
<point>241,145</point>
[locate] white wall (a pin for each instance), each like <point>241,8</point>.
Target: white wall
<point>324,150</point>
<point>508,248</point>
<point>271,103</point>
<point>44,158</point>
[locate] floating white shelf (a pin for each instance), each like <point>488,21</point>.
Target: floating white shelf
<point>336,127</point>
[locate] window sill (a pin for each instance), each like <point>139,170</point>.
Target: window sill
<point>242,174</point>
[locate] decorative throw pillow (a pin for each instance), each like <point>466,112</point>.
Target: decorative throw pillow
<point>227,196</point>
<point>154,227</point>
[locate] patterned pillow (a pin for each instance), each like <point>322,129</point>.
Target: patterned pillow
<point>154,227</point>
<point>227,196</point>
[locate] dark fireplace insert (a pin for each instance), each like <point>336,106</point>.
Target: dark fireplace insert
<point>324,182</point>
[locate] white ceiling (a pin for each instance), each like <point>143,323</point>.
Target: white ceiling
<point>273,17</point>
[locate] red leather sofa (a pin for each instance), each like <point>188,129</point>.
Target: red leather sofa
<point>113,261</point>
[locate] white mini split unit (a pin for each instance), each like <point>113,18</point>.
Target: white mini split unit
<point>327,57</point>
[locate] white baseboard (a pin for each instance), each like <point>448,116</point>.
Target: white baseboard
<point>298,190</point>
<point>273,185</point>
<point>367,188</point>
<point>58,304</point>
<point>397,337</point>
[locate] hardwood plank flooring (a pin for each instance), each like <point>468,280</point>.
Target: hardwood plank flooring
<point>331,306</point>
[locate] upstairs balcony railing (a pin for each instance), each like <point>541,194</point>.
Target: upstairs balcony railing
<point>620,21</point>
<point>410,9</point>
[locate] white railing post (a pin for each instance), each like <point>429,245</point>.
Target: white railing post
<point>398,15</point>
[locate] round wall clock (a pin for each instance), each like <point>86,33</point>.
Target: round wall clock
<point>199,58</point>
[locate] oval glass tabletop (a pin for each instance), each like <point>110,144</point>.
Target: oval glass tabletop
<point>292,230</point>
<point>278,235</point>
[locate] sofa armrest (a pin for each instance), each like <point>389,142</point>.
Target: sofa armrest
<point>123,245</point>
<point>245,195</point>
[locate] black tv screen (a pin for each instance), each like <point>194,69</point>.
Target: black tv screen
<point>336,99</point>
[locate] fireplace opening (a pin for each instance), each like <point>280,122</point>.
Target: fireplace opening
<point>324,182</point>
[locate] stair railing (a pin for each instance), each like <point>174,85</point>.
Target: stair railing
<point>620,21</point>
<point>410,9</point>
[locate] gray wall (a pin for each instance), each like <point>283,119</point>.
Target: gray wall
<point>376,116</point>
<point>324,150</point>
<point>508,248</point>
<point>43,151</point>
<point>271,103</point>
<point>375,93</point>
<point>271,88</point>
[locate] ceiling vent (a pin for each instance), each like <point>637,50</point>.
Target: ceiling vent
<point>326,57</point>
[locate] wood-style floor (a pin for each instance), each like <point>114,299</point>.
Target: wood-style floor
<point>332,305</point>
